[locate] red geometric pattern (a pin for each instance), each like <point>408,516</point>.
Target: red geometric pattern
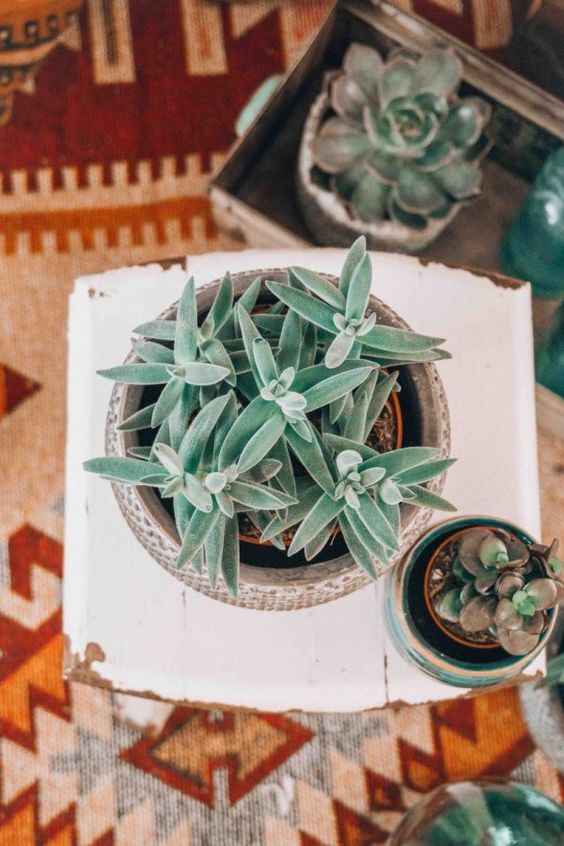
<point>108,164</point>
<point>195,743</point>
<point>14,389</point>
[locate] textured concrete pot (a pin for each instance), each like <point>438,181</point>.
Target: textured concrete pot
<point>327,216</point>
<point>266,588</point>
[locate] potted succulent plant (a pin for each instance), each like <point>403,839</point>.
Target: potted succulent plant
<point>390,150</point>
<point>261,450</point>
<point>475,601</point>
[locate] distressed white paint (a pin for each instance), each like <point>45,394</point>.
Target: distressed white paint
<point>161,637</point>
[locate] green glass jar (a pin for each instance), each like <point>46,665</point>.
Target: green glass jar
<point>534,246</point>
<point>549,363</point>
<point>482,813</point>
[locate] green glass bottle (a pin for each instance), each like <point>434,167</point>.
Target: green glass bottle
<point>533,248</point>
<point>482,813</point>
<point>549,363</point>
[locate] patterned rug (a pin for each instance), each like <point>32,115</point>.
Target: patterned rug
<point>105,161</point>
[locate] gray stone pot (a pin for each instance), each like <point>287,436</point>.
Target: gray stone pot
<point>543,709</point>
<point>328,218</point>
<point>265,588</point>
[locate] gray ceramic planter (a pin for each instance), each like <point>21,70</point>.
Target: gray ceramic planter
<point>327,216</point>
<point>264,587</point>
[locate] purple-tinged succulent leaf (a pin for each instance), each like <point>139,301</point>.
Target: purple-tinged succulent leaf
<point>506,616</point>
<point>478,613</point>
<point>517,642</point>
<point>542,592</point>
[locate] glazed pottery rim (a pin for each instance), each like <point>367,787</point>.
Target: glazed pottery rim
<point>268,588</point>
<point>381,232</point>
<point>461,673</point>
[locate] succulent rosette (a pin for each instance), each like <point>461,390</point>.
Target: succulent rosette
<point>400,144</point>
<point>503,586</point>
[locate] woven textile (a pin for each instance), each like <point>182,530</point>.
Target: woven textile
<point>105,164</point>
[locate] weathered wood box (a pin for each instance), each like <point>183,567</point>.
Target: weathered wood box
<point>254,195</point>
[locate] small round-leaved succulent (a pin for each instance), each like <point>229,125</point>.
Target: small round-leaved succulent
<point>503,586</point>
<point>399,143</point>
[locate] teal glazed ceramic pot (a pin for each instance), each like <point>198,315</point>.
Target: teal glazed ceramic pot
<point>416,631</point>
<point>482,813</point>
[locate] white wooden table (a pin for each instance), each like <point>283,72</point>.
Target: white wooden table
<point>131,626</point>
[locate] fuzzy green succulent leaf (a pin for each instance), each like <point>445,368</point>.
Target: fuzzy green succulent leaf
<point>334,387</point>
<point>167,401</point>
<point>152,353</point>
<point>200,525</point>
<point>186,335</point>
<point>215,353</point>
<point>305,305</point>
<point>139,420</point>
<point>312,457</point>
<point>421,496</point>
<point>361,554</point>
<point>359,289</point>
<point>213,548</point>
<point>353,258</point>
<point>159,330</point>
<point>230,559</point>
<point>200,430</point>
<point>323,512</point>
<point>264,360</point>
<point>290,343</point>
<point>128,470</point>
<point>320,286</point>
<point>377,523</point>
<point>262,441</point>
<point>220,310</point>
<point>137,374</point>
<point>315,546</point>
<point>249,421</point>
<point>424,472</point>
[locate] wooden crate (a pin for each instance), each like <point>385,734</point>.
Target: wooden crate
<point>254,195</point>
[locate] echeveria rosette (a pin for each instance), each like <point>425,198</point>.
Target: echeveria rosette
<point>401,144</point>
<point>504,586</point>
